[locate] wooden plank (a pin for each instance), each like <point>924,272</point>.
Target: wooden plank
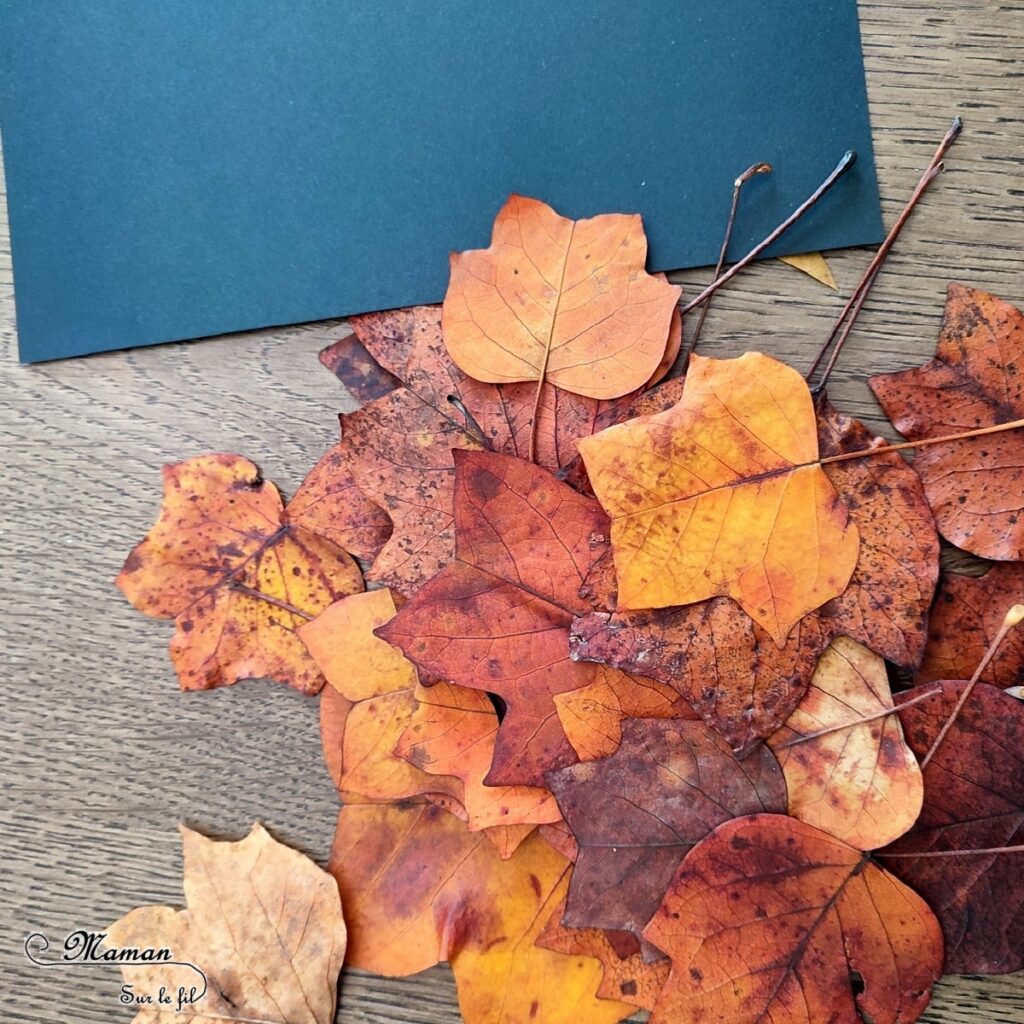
<point>103,756</point>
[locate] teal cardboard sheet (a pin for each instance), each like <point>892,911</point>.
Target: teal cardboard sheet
<point>179,168</point>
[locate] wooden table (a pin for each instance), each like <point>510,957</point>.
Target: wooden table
<point>103,756</point>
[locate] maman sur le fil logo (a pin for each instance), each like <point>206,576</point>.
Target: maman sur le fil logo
<point>162,981</point>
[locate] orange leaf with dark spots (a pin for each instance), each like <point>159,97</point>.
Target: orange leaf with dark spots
<point>967,616</point>
<point>418,889</point>
<point>729,669</point>
<point>557,300</point>
<point>223,527</point>
<point>769,919</point>
<point>723,494</point>
<point>637,813</point>
<point>974,486</point>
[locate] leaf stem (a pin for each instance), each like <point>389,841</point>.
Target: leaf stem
<point>269,598</point>
<point>884,713</point>
<point>849,313</point>
<point>1012,618</point>
<point>924,442</point>
<point>848,160</point>
<point>956,853</point>
<point>737,187</point>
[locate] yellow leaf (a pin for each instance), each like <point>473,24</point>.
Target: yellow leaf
<point>813,264</point>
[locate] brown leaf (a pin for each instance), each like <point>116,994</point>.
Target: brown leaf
<point>769,919</point>
<point>862,783</point>
<point>349,361</point>
<point>973,800</point>
<point>967,616</point>
<point>263,925</point>
<point>723,495</point>
<point>637,813</point>
<point>974,486</point>
<point>728,668</point>
<point>222,527</point>
<point>419,889</point>
<point>561,301</point>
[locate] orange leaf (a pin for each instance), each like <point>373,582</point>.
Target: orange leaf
<point>222,525</point>
<point>452,732</point>
<point>626,976</point>
<point>974,486</point>
<point>723,494</point>
<point>861,784</point>
<point>771,919</point>
<point>263,924</point>
<point>559,300</point>
<point>419,889</point>
<point>592,716</point>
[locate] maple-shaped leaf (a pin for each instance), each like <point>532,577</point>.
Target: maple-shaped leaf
<point>967,616</point>
<point>451,732</point>
<point>558,300</point>
<point>637,813</point>
<point>419,890</point>
<point>862,783</point>
<point>729,669</point>
<point>367,705</point>
<point>627,976</point>
<point>973,801</point>
<point>223,538</point>
<point>975,486</point>
<point>497,619</point>
<point>770,919</point>
<point>592,716</point>
<point>264,929</point>
<point>723,495</point>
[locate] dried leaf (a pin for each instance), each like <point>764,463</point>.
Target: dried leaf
<point>973,800</point>
<point>967,616</point>
<point>814,265</point>
<point>861,784</point>
<point>452,732</point>
<point>350,361</point>
<point>637,813</point>
<point>223,526</point>
<point>557,300</point>
<point>627,977</point>
<point>771,919</point>
<point>974,486</point>
<point>729,669</point>
<point>723,495</point>
<point>419,889</point>
<point>263,924</point>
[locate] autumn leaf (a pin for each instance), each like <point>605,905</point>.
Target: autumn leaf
<point>728,668</point>
<point>627,977</point>
<point>419,890</point>
<point>264,926</point>
<point>497,619</point>
<point>224,538</point>
<point>637,813</point>
<point>452,732</point>
<point>351,362</point>
<point>592,716</point>
<point>861,783</point>
<point>771,919</point>
<point>975,486</point>
<point>814,265</point>
<point>723,495</point>
<point>973,801</point>
<point>557,300</point>
<point>967,616</point>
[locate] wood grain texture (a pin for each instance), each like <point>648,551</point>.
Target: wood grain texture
<point>102,755</point>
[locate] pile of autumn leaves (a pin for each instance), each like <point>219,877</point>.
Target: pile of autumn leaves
<point>611,727</point>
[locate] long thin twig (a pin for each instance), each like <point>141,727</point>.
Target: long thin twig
<point>737,187</point>
<point>849,313</point>
<point>956,853</point>
<point>884,713</point>
<point>848,160</point>
<point>1013,618</point>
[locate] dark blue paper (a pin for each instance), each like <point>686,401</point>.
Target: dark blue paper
<point>179,168</point>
